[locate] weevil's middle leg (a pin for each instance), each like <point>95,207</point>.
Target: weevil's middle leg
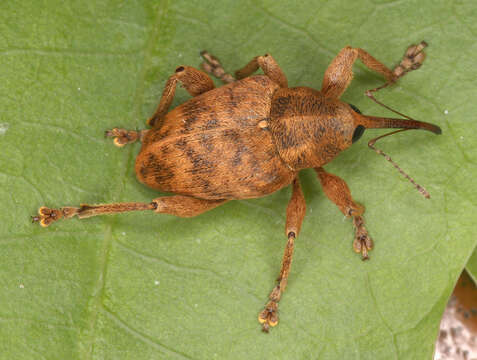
<point>268,317</point>
<point>213,66</point>
<point>122,136</point>
<point>337,191</point>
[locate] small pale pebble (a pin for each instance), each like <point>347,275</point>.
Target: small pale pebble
<point>156,282</point>
<point>446,111</point>
<point>3,128</point>
<point>22,286</point>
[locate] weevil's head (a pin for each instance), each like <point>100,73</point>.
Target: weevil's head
<point>363,122</point>
<point>310,129</point>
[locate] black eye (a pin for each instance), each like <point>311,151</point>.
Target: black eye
<point>355,108</point>
<point>358,132</point>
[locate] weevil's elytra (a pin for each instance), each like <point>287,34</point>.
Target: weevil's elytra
<point>250,138</point>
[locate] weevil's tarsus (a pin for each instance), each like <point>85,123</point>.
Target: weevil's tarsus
<point>213,66</point>
<point>296,209</point>
<point>362,242</point>
<point>412,59</point>
<point>122,137</point>
<point>371,143</point>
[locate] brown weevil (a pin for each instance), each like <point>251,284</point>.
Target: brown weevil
<point>250,138</point>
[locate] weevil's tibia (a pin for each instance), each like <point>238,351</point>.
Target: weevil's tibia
<point>178,205</point>
<point>213,66</point>
<point>268,317</point>
<point>338,192</point>
<point>269,67</point>
<point>122,136</point>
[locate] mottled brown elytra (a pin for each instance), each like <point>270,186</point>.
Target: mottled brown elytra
<point>250,138</point>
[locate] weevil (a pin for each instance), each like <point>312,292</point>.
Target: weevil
<point>250,138</point>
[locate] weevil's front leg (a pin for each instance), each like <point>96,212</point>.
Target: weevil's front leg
<point>194,81</point>
<point>295,214</point>
<point>122,136</point>
<point>339,73</point>
<point>337,191</point>
<point>269,66</point>
<point>178,205</point>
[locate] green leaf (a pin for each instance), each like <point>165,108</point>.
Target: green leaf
<point>154,286</point>
<point>471,266</point>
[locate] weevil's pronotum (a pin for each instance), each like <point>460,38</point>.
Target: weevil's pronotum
<point>250,138</point>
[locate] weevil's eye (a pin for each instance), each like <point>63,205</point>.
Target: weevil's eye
<point>354,108</point>
<point>358,132</point>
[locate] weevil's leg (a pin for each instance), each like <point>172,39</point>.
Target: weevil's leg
<point>412,59</point>
<point>269,66</point>
<point>339,73</point>
<point>194,81</point>
<point>123,136</point>
<point>295,214</point>
<point>337,191</point>
<point>178,205</point>
<point>213,66</point>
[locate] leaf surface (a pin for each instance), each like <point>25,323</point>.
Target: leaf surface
<point>155,286</point>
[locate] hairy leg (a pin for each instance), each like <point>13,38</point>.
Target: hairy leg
<point>178,205</point>
<point>266,62</point>
<point>295,214</point>
<point>338,192</point>
<point>196,82</point>
<point>122,136</point>
<point>269,66</point>
<point>213,66</point>
<point>339,73</point>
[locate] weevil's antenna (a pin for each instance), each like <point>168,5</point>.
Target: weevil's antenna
<point>388,158</point>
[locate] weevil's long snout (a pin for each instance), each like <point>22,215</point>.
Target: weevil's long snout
<point>374,122</point>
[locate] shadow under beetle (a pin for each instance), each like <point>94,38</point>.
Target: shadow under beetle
<point>250,138</point>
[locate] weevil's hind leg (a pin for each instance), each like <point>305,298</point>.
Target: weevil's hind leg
<point>178,205</point>
<point>268,317</point>
<point>196,82</point>
<point>337,191</point>
<point>122,136</point>
<point>339,73</point>
<point>269,66</point>
<point>212,65</point>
